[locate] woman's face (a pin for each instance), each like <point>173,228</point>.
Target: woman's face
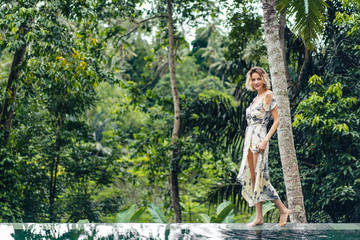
<point>256,81</point>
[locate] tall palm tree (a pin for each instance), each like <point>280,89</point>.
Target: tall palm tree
<point>213,50</point>
<point>209,30</point>
<point>254,52</point>
<point>221,64</point>
<point>308,25</point>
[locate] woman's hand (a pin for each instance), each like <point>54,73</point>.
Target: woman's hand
<point>261,147</point>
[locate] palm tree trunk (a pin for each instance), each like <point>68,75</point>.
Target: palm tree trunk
<point>283,48</point>
<point>285,136</point>
<point>175,155</point>
<point>10,95</point>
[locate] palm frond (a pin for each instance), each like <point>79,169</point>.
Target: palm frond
<point>227,188</point>
<point>224,122</point>
<point>221,120</point>
<point>309,15</point>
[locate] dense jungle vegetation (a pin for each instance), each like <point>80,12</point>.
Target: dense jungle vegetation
<point>87,109</point>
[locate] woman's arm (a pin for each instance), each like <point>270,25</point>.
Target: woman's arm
<point>275,115</point>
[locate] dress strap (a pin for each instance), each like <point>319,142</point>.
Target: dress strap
<point>263,99</point>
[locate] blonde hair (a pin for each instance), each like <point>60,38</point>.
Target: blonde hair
<point>264,76</point>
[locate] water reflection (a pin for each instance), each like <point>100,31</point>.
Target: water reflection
<point>176,231</point>
<point>84,231</point>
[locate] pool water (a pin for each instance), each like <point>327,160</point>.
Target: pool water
<point>29,231</point>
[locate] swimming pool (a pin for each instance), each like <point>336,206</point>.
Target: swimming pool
<point>183,231</point>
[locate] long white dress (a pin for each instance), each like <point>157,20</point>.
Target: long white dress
<point>258,116</point>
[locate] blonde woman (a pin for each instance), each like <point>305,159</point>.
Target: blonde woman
<point>254,172</point>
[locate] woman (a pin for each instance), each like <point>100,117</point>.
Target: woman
<point>254,172</point>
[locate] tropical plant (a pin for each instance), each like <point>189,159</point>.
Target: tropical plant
<point>246,27</point>
<point>309,18</point>
<point>83,221</point>
<point>348,16</point>
<point>222,120</point>
<point>227,187</point>
<point>254,53</point>
<point>156,214</point>
<point>224,214</point>
<point>213,51</point>
<point>129,215</point>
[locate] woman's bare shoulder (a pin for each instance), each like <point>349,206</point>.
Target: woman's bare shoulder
<point>269,96</point>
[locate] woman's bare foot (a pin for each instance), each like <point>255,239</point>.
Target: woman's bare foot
<point>256,222</point>
<point>283,218</point>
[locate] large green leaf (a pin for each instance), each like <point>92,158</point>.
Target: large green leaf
<point>156,214</point>
<point>222,206</point>
<point>205,218</point>
<point>125,215</point>
<point>230,217</point>
<point>220,218</point>
<point>83,221</point>
<point>137,214</point>
<point>265,208</point>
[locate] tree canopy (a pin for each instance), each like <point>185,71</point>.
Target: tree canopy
<point>87,108</point>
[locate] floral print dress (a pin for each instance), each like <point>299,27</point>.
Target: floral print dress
<point>258,116</point>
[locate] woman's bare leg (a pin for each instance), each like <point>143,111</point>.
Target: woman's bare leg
<point>284,212</point>
<point>252,168</point>
<point>259,220</point>
<point>252,160</point>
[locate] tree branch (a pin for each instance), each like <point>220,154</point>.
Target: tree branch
<point>163,68</point>
<point>309,164</point>
<point>139,23</point>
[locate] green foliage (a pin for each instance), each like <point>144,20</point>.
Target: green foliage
<point>224,214</point>
<point>315,80</point>
<point>156,214</point>
<point>348,18</point>
<point>187,77</point>
<point>309,16</point>
<point>129,215</point>
<point>245,48</point>
<point>11,197</point>
<point>222,121</point>
<point>227,187</point>
<point>328,111</point>
<point>330,151</point>
<point>60,164</point>
<point>83,221</point>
